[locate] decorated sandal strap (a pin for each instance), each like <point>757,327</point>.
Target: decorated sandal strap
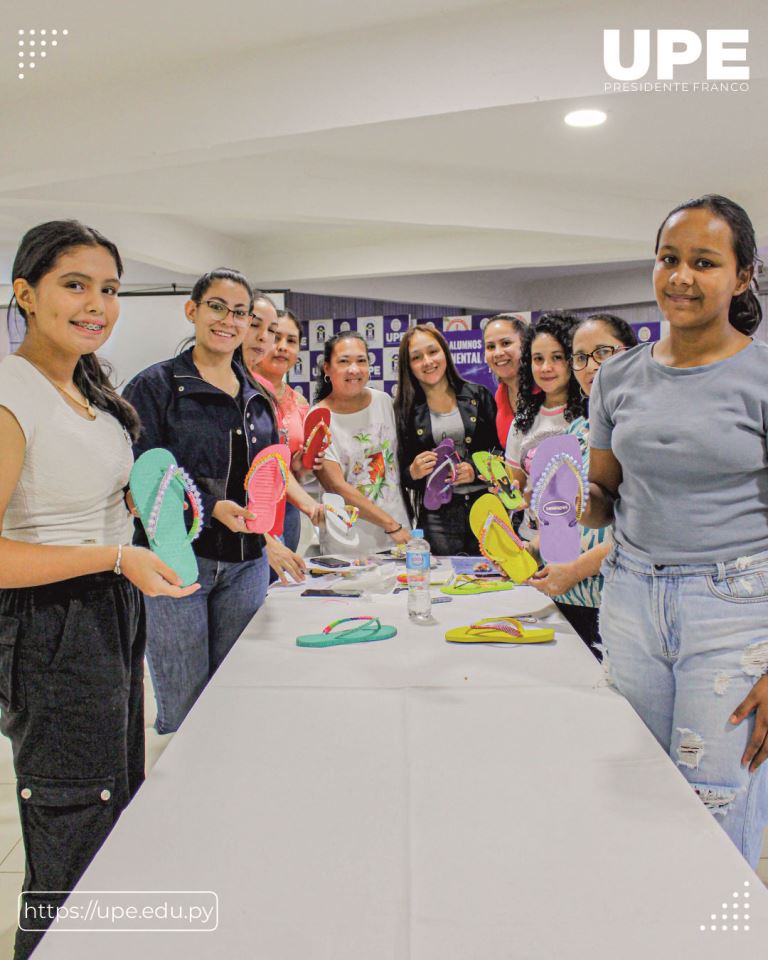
<point>448,462</point>
<point>504,624</point>
<point>179,474</point>
<point>320,425</point>
<point>576,467</point>
<point>260,461</point>
<point>373,622</point>
<point>347,516</point>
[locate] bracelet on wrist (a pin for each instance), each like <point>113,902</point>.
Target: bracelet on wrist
<point>117,567</point>
<point>397,529</point>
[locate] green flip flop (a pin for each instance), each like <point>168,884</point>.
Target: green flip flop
<point>465,585</point>
<point>373,629</point>
<point>159,487</point>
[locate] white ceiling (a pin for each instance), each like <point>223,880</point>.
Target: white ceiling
<point>411,150</point>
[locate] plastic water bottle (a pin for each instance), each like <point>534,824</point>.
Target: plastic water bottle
<point>417,567</point>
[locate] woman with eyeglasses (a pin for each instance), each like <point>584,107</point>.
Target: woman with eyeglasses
<point>205,408</point>
<point>575,587</point>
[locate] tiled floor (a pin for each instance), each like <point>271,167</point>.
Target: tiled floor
<point>12,853</point>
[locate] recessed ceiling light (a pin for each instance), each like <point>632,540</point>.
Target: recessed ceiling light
<point>585,118</point>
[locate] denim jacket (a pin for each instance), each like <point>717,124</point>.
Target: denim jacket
<point>211,435</point>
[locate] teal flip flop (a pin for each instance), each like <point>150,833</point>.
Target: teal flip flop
<point>373,629</point>
<point>159,487</point>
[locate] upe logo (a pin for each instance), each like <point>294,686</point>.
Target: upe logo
<point>677,48</point>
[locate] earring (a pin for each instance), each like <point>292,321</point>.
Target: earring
<point>326,379</point>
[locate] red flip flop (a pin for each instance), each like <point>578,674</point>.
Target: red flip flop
<point>317,435</point>
<point>265,486</point>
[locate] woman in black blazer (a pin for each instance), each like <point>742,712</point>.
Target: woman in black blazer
<point>434,403</point>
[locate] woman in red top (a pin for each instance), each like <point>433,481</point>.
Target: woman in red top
<point>271,354</point>
<point>502,338</point>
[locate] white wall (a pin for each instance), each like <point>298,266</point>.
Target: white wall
<point>149,330</point>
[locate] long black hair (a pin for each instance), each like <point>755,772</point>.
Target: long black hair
<point>322,385</point>
<point>409,390</point>
<point>745,312</point>
<point>560,326</point>
<point>38,253</point>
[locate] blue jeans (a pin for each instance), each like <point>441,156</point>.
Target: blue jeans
<point>188,639</point>
<point>685,644</point>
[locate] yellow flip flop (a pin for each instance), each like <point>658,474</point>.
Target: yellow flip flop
<point>498,542</point>
<point>500,630</point>
<point>465,585</point>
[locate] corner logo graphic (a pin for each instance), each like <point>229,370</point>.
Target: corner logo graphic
<point>34,46</point>
<point>727,70</point>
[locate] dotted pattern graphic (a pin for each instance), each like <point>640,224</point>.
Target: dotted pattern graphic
<point>34,45</point>
<point>739,918</point>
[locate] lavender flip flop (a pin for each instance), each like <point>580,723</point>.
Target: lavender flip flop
<point>560,491</point>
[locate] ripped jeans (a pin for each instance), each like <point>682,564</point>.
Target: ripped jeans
<point>685,645</point>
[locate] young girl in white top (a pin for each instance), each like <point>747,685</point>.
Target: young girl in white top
<point>71,613</point>
<point>548,398</point>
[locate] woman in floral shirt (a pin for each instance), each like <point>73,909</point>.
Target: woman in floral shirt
<point>361,462</point>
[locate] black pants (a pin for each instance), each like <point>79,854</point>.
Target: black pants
<point>584,622</point>
<point>447,530</point>
<point>72,698</point>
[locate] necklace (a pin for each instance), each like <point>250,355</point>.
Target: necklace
<point>84,404</point>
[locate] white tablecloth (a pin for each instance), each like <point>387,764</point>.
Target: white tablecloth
<point>414,800</point>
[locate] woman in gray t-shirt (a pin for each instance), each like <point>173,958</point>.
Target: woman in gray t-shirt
<point>678,462</point>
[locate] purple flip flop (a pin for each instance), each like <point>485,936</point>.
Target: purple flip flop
<point>560,491</point>
<point>439,488</point>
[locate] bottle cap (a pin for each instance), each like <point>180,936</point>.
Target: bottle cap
<point>418,534</point>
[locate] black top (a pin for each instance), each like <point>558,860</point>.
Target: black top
<point>478,414</point>
<point>212,435</point>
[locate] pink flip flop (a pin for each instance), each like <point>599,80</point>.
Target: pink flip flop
<point>265,486</point>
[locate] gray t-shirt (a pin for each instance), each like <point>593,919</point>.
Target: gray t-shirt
<point>692,447</point>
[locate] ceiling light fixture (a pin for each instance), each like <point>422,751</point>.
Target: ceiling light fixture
<point>585,118</point>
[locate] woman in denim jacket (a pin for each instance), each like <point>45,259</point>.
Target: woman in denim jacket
<point>203,407</point>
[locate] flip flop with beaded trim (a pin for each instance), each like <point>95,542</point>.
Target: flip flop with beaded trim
<point>317,435</point>
<point>493,469</point>
<point>465,585</point>
<point>560,491</point>
<point>372,629</point>
<point>498,542</point>
<point>500,630</point>
<point>340,520</point>
<point>265,486</point>
<point>160,487</point>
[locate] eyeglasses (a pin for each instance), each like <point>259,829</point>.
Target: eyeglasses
<point>599,355</point>
<point>240,316</point>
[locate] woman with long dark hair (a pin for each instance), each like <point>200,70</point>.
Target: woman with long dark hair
<point>434,403</point>
<point>575,587</point>
<point>503,337</point>
<point>678,431</point>
<point>71,613</point>
<point>548,396</point>
<point>361,463</point>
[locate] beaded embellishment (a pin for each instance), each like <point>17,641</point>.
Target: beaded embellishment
<point>180,475</point>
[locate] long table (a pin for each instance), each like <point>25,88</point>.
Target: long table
<point>411,799</point>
